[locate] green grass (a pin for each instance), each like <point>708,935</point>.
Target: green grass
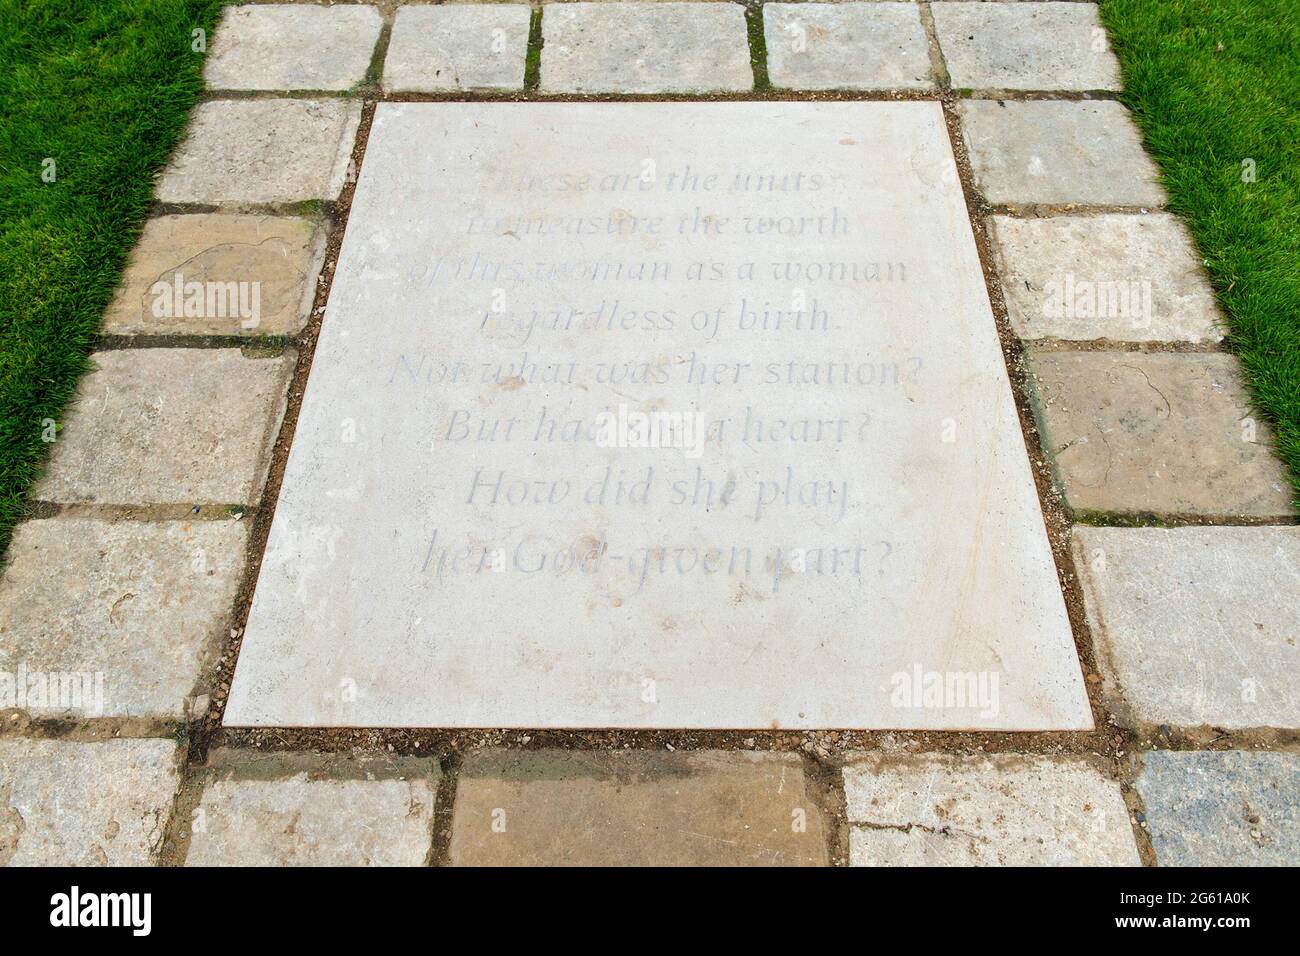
<point>102,88</point>
<point>1214,83</point>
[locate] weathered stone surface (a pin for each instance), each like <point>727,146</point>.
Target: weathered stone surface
<point>564,808</point>
<point>1127,278</point>
<point>1004,810</point>
<point>285,46</point>
<point>1030,46</point>
<point>475,46</point>
<point>64,803</point>
<point>135,608</point>
<point>383,547</point>
<point>1165,433</point>
<point>263,151</point>
<point>1227,808</point>
<point>644,48</point>
<point>258,811</point>
<point>846,46</point>
<point>1058,151</point>
<point>1196,625</point>
<point>273,262</point>
<point>169,426</point>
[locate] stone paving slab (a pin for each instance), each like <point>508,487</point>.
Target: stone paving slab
<point>263,151</point>
<point>1004,810</point>
<point>1169,434</point>
<point>1031,46</point>
<point>564,808</point>
<point>644,48</point>
<point>619,625</point>
<point>458,47</point>
<point>1196,626</point>
<point>132,609</point>
<point>1226,808</point>
<point>1058,151</point>
<point>282,46</point>
<point>846,46</point>
<point>64,803</point>
<point>212,274</point>
<point>1113,276</point>
<point>275,811</point>
<point>169,426</point>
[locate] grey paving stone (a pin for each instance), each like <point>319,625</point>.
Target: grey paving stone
<point>169,426</point>
<point>644,48</point>
<point>1028,46</point>
<point>285,46</point>
<point>64,803</point>
<point>1058,151</point>
<point>275,811</point>
<point>272,261</point>
<point>1004,810</point>
<point>1170,434</point>
<point>1227,808</point>
<point>263,151</point>
<point>564,808</point>
<point>474,46</point>
<point>1126,278</point>
<point>131,610</point>
<point>846,46</point>
<point>1196,626</point>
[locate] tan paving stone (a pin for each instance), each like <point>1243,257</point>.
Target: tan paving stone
<point>547,808</point>
<point>846,46</point>
<point>473,46</point>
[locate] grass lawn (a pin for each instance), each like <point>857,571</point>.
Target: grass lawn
<point>1214,84</point>
<point>102,88</point>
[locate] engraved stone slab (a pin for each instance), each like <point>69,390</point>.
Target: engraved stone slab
<point>491,517</point>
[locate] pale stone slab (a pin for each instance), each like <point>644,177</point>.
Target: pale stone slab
<point>131,611</point>
<point>169,426</point>
<point>1170,434</point>
<point>252,815</point>
<point>1004,810</point>
<point>64,803</point>
<point>475,46</point>
<point>1032,46</point>
<point>272,261</point>
<point>563,808</point>
<point>667,605</point>
<point>846,46</point>
<point>263,151</point>
<point>1058,151</point>
<point>282,46</point>
<point>1228,808</point>
<point>644,48</point>
<point>1126,278</point>
<point>1196,626</point>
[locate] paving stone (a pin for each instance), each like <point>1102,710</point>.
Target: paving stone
<point>1126,278</point>
<point>346,813</point>
<point>1031,46</point>
<point>639,808</point>
<point>263,151</point>
<point>458,47</point>
<point>1227,808</point>
<point>1004,810</point>
<point>133,610</point>
<point>169,426</point>
<point>846,46</point>
<point>272,262</point>
<point>644,48</point>
<point>282,46</point>
<point>1169,434</point>
<point>64,803</point>
<point>925,446</point>
<point>1058,151</point>
<point>1196,626</point>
